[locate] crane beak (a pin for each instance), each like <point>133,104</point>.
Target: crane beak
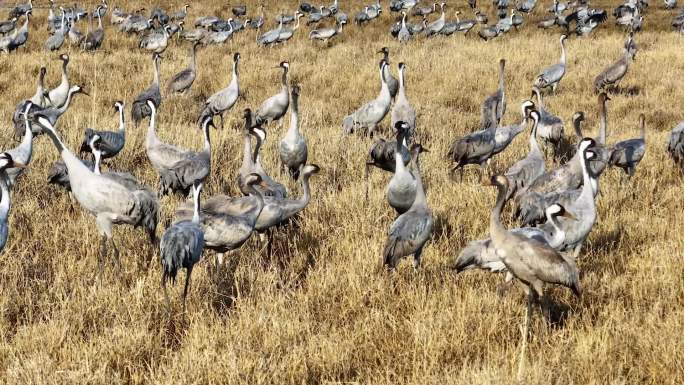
<point>18,165</point>
<point>569,215</point>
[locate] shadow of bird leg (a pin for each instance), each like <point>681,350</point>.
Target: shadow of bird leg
<point>545,307</point>
<point>187,284</point>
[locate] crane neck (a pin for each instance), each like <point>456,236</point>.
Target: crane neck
<point>562,58</point>
<point>196,203</point>
<point>588,184</point>
<point>496,229</point>
<point>642,127</point>
<point>402,89</point>
<point>294,114</point>
<point>534,145</point>
<point>283,79</point>
<point>156,70</point>
<point>247,159</point>
<point>558,233</point>
<point>398,157</point>
<point>421,200</point>
<point>122,122</point>
<point>62,109</point>
<point>5,200</point>
<point>97,154</point>
<point>603,123</point>
<point>207,136</point>
<point>151,129</point>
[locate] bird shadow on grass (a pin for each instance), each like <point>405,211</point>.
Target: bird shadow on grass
<point>443,229</point>
<point>605,244</point>
<point>625,91</point>
<point>293,270</point>
<point>175,326</point>
<point>225,287</point>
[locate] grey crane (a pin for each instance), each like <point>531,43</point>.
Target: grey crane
<point>181,246</point>
<point>402,109</point>
<point>580,202</point>
<point>140,110</point>
<point>225,232</point>
<point>488,32</point>
<point>532,262</point>
<point>219,36</point>
<point>675,144</point>
<point>162,155</point>
<point>424,11</point>
<point>275,107</point>
<point>382,155</point>
<point>258,22</point>
<point>284,34</point>
<point>392,82</point>
<point>156,41</point>
<point>75,35</point>
<point>277,211</point>
<point>480,254</point>
<point>495,102</point>
<point>551,127</point>
<point>326,34</point>
<point>436,26</point>
<point>182,81</point>
<point>180,15</point>
<point>551,76</point>
<point>566,177</point>
<point>56,41</point>
<point>7,26</point>
<point>124,178</point>
<point>369,115</point>
<point>292,149</point>
<point>192,167</point>
<point>505,134</point>
<point>612,75</point>
<point>23,152</point>
<point>94,38</point>
<point>20,36</point>
<point>411,230</point>
<point>531,167</point>
<point>251,163</point>
<point>270,37</point>
<point>404,35</point>
<point>402,188</point>
<point>628,153</point>
<point>39,98</point>
<point>111,142</point>
<point>670,4</point>
<point>194,35</point>
<point>110,202</point>
<point>118,16</point>
<point>6,162</point>
<point>50,113</point>
<point>101,9</point>
<point>474,148</point>
<point>225,99</point>
<point>58,96</point>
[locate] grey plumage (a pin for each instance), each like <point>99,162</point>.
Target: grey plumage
<point>371,114</point>
<point>22,153</point>
<point>276,106</point>
<point>58,95</point>
<point>411,230</point>
<point>94,38</point>
<point>628,153</point>
<point>436,26</point>
<point>526,170</point>
<point>251,163</point>
<point>52,114</point>
<point>551,76</point>
<point>59,174</point>
<point>612,75</point>
<point>474,148</point>
<point>181,246</point>
<point>392,82</point>
<point>156,41</point>
<point>495,102</point>
<point>402,109</point>
<point>505,134</point>
<point>111,142</point>
<point>192,167</point>
<point>293,150</point>
<point>675,144</point>
<point>182,81</point>
<point>225,99</point>
<point>551,127</point>
<point>140,110</point>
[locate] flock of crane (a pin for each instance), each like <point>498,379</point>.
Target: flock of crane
<point>556,207</point>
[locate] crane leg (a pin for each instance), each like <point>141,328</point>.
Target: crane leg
<point>416,259</point>
<point>525,332</point>
<point>117,260</point>
<point>166,294</point>
<point>187,284</point>
<point>503,287</point>
<point>221,116</point>
<point>101,255</point>
<point>367,178</point>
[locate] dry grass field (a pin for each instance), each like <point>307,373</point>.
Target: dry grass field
<point>321,310</point>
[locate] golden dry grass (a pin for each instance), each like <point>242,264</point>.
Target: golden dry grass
<point>320,310</point>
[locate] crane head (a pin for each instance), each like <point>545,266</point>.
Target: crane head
<point>6,161</point>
